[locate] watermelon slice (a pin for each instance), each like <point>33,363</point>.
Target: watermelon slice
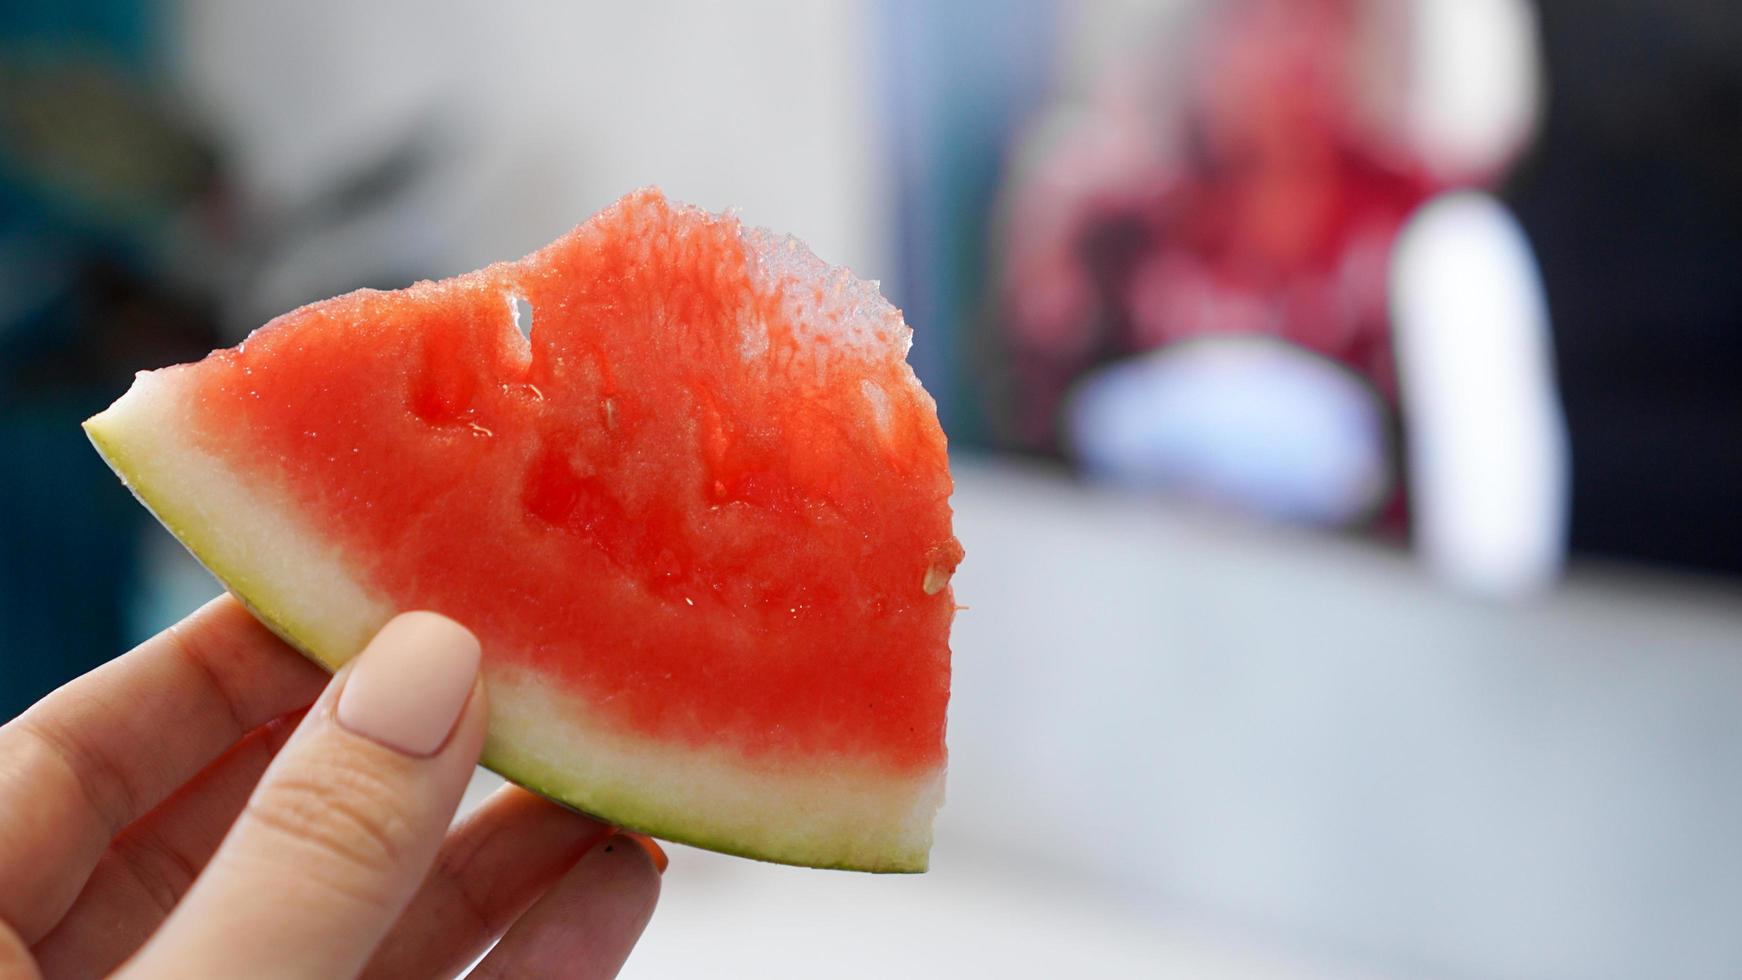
<point>698,517</point>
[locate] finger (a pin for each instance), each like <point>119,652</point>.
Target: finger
<point>96,754</point>
<point>154,861</point>
<point>491,868</point>
<point>16,963</point>
<point>585,926</point>
<point>346,821</point>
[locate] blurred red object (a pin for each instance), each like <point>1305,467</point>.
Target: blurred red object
<point>1266,204</point>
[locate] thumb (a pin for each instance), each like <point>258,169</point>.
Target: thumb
<point>346,821</point>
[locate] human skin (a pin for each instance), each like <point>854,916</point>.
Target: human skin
<point>211,803</point>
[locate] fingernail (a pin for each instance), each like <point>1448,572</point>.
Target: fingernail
<point>655,853</point>
<point>411,683</point>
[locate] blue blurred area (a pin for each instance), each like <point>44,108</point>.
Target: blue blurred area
<point>68,541</point>
<point>956,82</point>
<point>128,31</point>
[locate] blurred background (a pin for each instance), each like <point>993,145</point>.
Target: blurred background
<point>1346,398</point>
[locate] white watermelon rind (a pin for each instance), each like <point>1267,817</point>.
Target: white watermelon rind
<point>834,814</point>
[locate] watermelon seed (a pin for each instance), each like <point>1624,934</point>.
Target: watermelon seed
<point>522,308</point>
<point>936,577</point>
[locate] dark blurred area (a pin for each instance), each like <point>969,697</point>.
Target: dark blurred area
<point>1632,196</point>
<point>96,172</point>
<point>127,240</point>
<point>1347,398</point>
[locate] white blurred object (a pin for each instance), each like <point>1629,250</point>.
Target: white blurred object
<point>1475,83</point>
<point>1488,458</point>
<point>1250,421</point>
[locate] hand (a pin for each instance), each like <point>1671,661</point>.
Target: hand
<point>202,807</point>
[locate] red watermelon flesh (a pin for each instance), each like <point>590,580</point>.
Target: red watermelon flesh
<point>699,520</point>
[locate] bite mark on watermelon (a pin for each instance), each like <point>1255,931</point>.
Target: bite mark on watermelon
<point>698,516</point>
